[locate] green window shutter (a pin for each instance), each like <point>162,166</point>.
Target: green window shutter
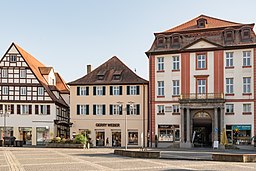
<point>36,110</point>
<point>128,109</point>
<point>87,109</point>
<point>94,109</point>
<point>138,90</point>
<point>87,91</point>
<point>94,91</point>
<point>120,90</point>
<point>128,90</point>
<point>111,109</point>
<point>78,91</point>
<point>111,90</point>
<point>48,109</point>
<point>78,109</point>
<point>104,109</point>
<point>138,109</point>
<point>104,90</point>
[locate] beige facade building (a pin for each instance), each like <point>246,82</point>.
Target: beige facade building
<point>111,102</point>
<point>33,99</point>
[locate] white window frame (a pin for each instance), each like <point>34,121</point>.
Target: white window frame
<point>23,91</point>
<point>42,109</point>
<point>133,109</point>
<point>160,109</point>
<point>40,91</point>
<point>246,58</point>
<point>229,59</point>
<point>23,73</point>
<point>83,91</point>
<point>13,58</point>
<point>176,109</point>
<point>4,73</point>
<point>201,86</point>
<point>247,85</point>
<point>5,90</point>
<point>175,62</point>
<point>99,109</point>
<point>99,90</point>
<point>201,61</point>
<point>247,108</point>
<point>176,87</point>
<point>160,63</point>
<point>160,88</point>
<point>24,109</point>
<point>83,109</point>
<point>229,108</point>
<point>229,85</point>
<point>116,109</point>
<point>116,90</point>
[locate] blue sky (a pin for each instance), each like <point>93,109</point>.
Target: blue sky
<point>68,35</point>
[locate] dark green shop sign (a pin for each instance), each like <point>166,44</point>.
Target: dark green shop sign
<point>241,127</point>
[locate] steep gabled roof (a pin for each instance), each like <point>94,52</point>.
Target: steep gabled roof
<point>108,69</point>
<point>211,23</point>
<point>36,67</point>
<point>61,84</point>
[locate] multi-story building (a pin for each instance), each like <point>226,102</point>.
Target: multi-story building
<point>33,99</point>
<point>201,81</point>
<point>111,103</point>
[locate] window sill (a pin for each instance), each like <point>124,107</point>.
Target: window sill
<point>160,71</point>
<point>160,113</point>
<point>247,94</point>
<point>229,67</point>
<point>201,68</point>
<point>175,113</point>
<point>230,94</point>
<point>229,113</point>
<point>160,96</point>
<point>175,70</point>
<point>246,66</point>
<point>175,95</point>
<point>247,113</point>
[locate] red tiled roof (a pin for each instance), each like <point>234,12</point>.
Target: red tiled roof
<point>211,23</point>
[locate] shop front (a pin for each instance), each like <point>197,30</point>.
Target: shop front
<point>239,134</point>
<point>9,132</point>
<point>168,133</point>
<point>26,135</point>
<point>42,134</point>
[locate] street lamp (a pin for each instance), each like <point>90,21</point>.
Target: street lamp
<point>4,114</point>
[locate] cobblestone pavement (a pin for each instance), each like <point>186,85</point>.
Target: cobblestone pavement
<point>45,159</point>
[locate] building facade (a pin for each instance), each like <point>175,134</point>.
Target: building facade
<point>34,99</point>
<point>202,83</point>
<point>110,103</point>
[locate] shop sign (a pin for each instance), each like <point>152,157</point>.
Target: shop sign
<point>107,125</point>
<point>164,126</point>
<point>241,127</point>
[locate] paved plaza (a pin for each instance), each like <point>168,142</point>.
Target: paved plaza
<point>47,159</point>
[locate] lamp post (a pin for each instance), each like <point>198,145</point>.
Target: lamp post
<point>4,114</point>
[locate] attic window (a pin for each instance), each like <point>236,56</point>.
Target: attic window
<point>100,77</point>
<point>246,34</point>
<point>160,41</point>
<point>201,23</point>
<point>117,75</point>
<point>101,74</point>
<point>229,35</point>
<point>13,58</point>
<point>176,40</point>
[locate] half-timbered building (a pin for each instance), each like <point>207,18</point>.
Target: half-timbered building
<point>34,99</point>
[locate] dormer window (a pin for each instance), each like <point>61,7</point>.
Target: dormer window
<point>160,41</point>
<point>245,34</point>
<point>201,23</point>
<point>100,77</point>
<point>101,74</point>
<point>175,39</point>
<point>13,58</point>
<point>117,75</point>
<point>229,35</point>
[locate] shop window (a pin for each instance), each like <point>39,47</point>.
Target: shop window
<point>42,134</point>
<point>133,137</point>
<point>169,133</point>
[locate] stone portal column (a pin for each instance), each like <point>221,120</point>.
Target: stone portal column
<point>215,124</point>
<point>222,118</point>
<point>188,126</point>
<point>182,125</point>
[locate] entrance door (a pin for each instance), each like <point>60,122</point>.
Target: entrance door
<point>202,130</point>
<point>100,138</point>
<point>116,139</point>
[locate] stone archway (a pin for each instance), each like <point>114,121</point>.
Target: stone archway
<point>202,129</point>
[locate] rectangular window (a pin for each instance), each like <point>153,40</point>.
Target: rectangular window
<point>82,109</point>
<point>99,109</point>
<point>247,85</point>
<point>25,109</point>
<point>133,137</point>
<point>13,58</point>
<point>82,91</point>
<point>133,90</point>
<point>115,109</point>
<point>116,90</point>
<point>201,86</point>
<point>229,108</point>
<point>229,85</point>
<point>160,64</point>
<point>176,87</point>
<point>23,73</point>
<point>42,109</point>
<point>160,91</point>
<point>247,108</point>
<point>133,109</point>
<point>4,73</point>
<point>5,90</point>
<point>247,58</point>
<point>160,109</point>
<point>176,109</point>
<point>99,90</point>
<point>9,108</point>
<point>175,62</point>
<point>201,61</point>
<point>23,91</point>
<point>40,91</point>
<point>229,59</point>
